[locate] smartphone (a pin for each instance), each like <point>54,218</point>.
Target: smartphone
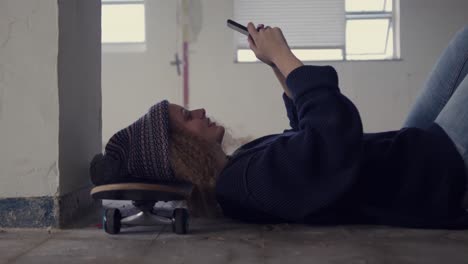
<point>237,27</point>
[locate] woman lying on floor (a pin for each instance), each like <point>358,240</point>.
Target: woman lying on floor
<point>324,169</point>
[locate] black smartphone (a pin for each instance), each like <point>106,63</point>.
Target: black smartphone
<point>237,27</point>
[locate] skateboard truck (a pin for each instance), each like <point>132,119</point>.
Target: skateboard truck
<point>143,196</point>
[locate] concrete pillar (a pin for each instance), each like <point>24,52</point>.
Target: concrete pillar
<point>50,109</point>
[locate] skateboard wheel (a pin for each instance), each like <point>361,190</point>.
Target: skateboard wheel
<point>180,223</point>
<point>111,221</point>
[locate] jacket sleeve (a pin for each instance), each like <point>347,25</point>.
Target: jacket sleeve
<point>291,113</point>
<point>300,174</point>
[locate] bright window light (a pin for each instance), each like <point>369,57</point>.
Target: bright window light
<point>372,29</point>
<point>368,5</point>
<point>318,54</point>
<point>123,23</point>
<point>366,36</point>
<point>245,55</point>
<point>388,54</point>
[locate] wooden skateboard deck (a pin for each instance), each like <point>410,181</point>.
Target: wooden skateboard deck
<point>142,192</point>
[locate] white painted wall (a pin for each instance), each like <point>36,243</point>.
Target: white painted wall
<point>132,82</point>
<point>29,107</point>
<point>49,64</point>
<point>246,98</point>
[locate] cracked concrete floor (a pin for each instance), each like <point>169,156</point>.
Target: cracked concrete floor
<point>226,241</point>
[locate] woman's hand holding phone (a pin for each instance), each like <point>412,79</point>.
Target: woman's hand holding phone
<point>270,46</point>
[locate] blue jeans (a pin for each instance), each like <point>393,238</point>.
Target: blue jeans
<point>444,99</point>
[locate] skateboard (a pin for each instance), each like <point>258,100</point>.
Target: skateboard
<point>143,196</point>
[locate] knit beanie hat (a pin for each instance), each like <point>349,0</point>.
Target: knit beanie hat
<point>142,149</point>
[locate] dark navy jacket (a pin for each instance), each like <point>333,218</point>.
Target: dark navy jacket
<point>325,170</point>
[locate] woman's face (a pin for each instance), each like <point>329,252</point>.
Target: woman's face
<point>196,122</point>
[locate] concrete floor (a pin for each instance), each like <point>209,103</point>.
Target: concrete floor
<point>226,241</point>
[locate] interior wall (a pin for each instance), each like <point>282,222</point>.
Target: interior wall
<point>246,98</point>
<point>28,98</point>
<point>133,81</point>
<point>50,109</point>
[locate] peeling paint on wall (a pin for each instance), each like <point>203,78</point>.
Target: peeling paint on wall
<point>8,35</point>
<point>27,212</point>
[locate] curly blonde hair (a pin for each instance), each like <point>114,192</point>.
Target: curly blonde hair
<point>193,160</point>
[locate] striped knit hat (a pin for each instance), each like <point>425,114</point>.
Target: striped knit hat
<point>142,148</point>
